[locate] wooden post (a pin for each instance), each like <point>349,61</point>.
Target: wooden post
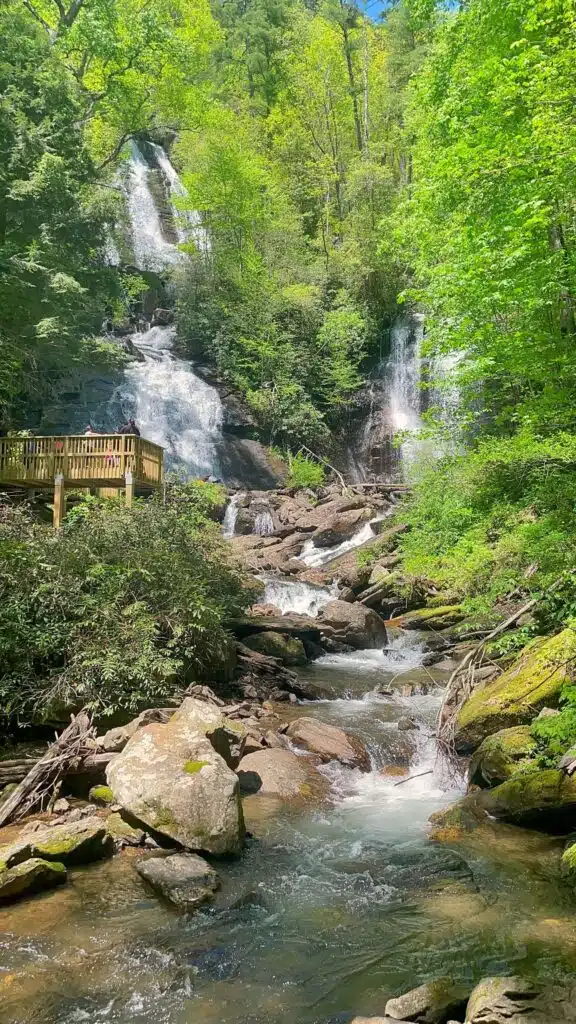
<point>129,488</point>
<point>59,500</point>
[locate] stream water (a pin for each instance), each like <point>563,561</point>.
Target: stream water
<point>333,907</point>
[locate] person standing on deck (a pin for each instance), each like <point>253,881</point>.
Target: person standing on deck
<point>129,428</point>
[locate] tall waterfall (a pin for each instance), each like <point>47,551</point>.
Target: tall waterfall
<point>170,403</point>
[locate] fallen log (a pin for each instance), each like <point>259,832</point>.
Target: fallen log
<point>44,776</point>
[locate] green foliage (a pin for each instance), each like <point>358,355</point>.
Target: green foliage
<point>118,609</point>
<point>556,734</point>
<point>304,472</point>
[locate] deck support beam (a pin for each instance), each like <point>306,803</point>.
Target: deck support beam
<point>59,501</point>
<point>129,479</point>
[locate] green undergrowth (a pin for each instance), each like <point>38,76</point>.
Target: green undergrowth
<point>118,609</point>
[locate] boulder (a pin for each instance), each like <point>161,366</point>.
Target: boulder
<point>289,649</point>
<point>406,724</point>
<point>568,863</point>
<point>122,832</point>
<point>74,842</point>
<point>171,778</point>
<point>353,624</point>
<point>29,877</point>
<point>534,681</point>
<point>224,734</point>
<point>515,1000</point>
<point>280,773</point>
<point>330,743</point>
<point>341,526</point>
<point>501,755</point>
<point>544,799</point>
<point>432,1003</point>
<point>115,740</point>
<point>433,618</point>
<point>184,879</point>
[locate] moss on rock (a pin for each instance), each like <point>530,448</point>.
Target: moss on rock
<point>502,755</point>
<point>29,877</point>
<point>192,767</point>
<point>101,795</point>
<point>534,681</point>
<point>433,618</point>
<point>545,799</point>
<point>288,649</point>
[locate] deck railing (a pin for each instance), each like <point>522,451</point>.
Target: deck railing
<point>98,459</point>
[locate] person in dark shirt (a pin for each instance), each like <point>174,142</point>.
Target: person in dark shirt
<point>129,428</point>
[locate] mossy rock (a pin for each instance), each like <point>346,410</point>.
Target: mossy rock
<point>568,863</point>
<point>452,823</point>
<point>533,681</point>
<point>288,649</point>
<point>101,795</point>
<point>79,842</point>
<point>502,755</point>
<point>31,876</point>
<point>122,832</point>
<point>543,799</point>
<point>433,618</point>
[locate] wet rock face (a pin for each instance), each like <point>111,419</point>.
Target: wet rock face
<point>330,743</point>
<point>171,778</point>
<point>184,879</point>
<point>341,526</point>
<point>354,624</point>
<point>534,681</point>
<point>432,1003</point>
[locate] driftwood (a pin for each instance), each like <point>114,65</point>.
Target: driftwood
<point>45,775</point>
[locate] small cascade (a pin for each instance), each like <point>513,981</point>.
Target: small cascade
<point>263,523</point>
<point>171,405</point>
<point>316,557</point>
<point>295,597</point>
<point>231,515</point>
<point>191,220</point>
<point>152,251</point>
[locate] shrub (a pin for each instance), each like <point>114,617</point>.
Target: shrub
<point>304,472</point>
<point>121,607</point>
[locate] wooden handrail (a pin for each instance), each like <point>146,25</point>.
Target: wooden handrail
<point>81,458</point>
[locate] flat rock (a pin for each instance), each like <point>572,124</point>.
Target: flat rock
<point>434,1002</point>
<point>171,778</point>
<point>329,742</point>
<point>29,877</point>
<point>515,1000</point>
<point>75,842</point>
<point>280,773</point>
<point>184,879</point>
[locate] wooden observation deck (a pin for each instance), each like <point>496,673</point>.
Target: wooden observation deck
<point>109,462</point>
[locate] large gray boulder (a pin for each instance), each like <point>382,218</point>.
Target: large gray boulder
<point>330,743</point>
<point>226,736</point>
<point>431,1003</point>
<point>289,649</point>
<point>113,741</point>
<point>171,778</point>
<point>280,773</point>
<point>354,624</point>
<point>184,879</point>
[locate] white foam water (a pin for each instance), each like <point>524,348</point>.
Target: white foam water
<point>297,597</point>
<point>231,515</point>
<point>316,557</point>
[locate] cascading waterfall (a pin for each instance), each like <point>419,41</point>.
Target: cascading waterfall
<point>263,523</point>
<point>192,229</point>
<point>231,515</point>
<point>172,406</point>
<point>296,597</point>
<point>316,557</point>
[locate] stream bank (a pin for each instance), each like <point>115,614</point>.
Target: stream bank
<point>340,900</point>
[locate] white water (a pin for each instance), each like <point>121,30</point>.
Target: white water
<point>293,596</point>
<point>151,250</point>
<point>188,222</point>
<point>231,515</point>
<point>316,557</point>
<point>263,523</point>
<point>171,405</point>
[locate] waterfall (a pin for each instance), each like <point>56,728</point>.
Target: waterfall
<point>231,515</point>
<point>263,523</point>
<point>297,597</point>
<point>316,557</point>
<point>151,249</point>
<point>171,405</point>
<point>193,225</point>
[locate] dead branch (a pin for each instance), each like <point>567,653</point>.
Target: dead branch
<point>42,778</point>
